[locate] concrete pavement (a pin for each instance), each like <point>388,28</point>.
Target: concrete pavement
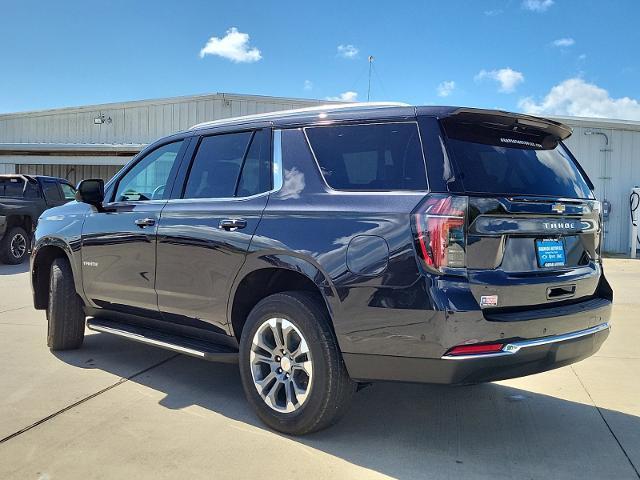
<point>116,409</point>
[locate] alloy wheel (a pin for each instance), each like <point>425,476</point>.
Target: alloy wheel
<point>18,246</point>
<point>281,365</point>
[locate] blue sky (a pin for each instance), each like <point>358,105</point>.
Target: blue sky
<point>542,56</point>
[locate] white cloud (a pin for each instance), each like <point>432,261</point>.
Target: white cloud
<point>348,51</point>
<point>576,97</point>
<point>493,13</point>
<point>564,42</point>
<point>233,46</point>
<point>582,57</point>
<point>537,5</point>
<point>345,97</point>
<point>308,85</point>
<point>446,88</point>
<point>508,78</point>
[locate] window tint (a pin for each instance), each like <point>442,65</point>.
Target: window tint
<point>11,187</point>
<point>370,157</point>
<point>148,178</point>
<point>68,191</point>
<point>31,190</point>
<point>216,166</point>
<point>504,170</point>
<point>51,191</point>
<point>256,171</point>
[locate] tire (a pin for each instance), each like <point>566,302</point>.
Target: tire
<point>318,382</point>
<point>65,313</point>
<point>14,247</point>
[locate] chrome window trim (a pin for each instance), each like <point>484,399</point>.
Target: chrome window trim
<point>368,192</point>
<point>514,347</point>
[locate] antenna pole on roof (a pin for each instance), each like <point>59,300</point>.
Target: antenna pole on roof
<point>369,87</point>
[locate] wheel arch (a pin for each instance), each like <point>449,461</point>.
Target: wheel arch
<point>288,273</point>
<point>43,256</point>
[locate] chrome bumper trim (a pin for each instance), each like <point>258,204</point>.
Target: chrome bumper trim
<point>514,347</point>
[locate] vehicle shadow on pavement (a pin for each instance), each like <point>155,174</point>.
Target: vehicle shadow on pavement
<point>419,431</point>
<point>14,269</point>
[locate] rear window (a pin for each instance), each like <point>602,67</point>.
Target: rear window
<point>384,156</point>
<point>11,187</point>
<point>494,169</point>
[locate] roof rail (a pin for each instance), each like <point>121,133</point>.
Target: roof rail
<point>288,113</point>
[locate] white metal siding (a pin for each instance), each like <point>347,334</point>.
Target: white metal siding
<point>134,122</point>
<point>614,169</point>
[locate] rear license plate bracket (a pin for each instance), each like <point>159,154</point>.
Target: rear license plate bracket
<point>550,252</point>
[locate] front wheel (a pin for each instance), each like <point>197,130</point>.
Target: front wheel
<point>292,371</point>
<point>65,314</point>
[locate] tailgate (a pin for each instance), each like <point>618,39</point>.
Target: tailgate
<point>520,252</point>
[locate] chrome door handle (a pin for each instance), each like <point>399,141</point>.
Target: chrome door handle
<point>145,222</point>
<point>232,224</point>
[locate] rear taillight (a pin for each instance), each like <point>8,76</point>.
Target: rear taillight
<point>440,231</point>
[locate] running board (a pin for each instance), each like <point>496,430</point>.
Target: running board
<point>189,346</point>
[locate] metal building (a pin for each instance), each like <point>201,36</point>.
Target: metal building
<point>95,141</point>
<point>609,151</point>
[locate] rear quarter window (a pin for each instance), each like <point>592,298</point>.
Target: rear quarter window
<point>385,156</point>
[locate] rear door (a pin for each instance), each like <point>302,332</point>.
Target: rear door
<point>204,233</point>
<point>533,234</point>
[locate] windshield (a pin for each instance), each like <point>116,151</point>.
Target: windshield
<point>504,170</point>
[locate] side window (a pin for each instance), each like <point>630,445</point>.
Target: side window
<point>148,178</point>
<point>216,166</point>
<point>32,190</point>
<point>51,191</point>
<point>386,156</point>
<point>256,171</point>
<point>68,191</point>
<point>11,187</point>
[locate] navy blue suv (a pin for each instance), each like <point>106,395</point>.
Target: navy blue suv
<point>329,247</point>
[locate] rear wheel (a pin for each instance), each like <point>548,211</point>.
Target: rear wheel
<point>14,246</point>
<point>65,314</point>
<point>292,370</point>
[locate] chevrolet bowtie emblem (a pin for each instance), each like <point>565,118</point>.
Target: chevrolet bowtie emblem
<point>558,207</point>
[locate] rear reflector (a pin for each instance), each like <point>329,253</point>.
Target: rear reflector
<point>475,349</point>
<point>439,228</point>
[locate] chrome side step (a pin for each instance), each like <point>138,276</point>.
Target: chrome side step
<point>189,346</point>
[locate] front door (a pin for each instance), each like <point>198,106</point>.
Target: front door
<point>119,244</point>
<point>204,235</point>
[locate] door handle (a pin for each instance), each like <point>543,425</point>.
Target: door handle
<point>232,224</point>
<point>145,222</point>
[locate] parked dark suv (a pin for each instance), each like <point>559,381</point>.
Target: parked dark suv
<point>329,247</point>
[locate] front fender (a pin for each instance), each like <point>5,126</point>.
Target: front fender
<point>60,228</point>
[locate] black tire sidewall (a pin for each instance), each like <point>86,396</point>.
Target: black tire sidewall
<point>279,306</point>
<point>7,255</point>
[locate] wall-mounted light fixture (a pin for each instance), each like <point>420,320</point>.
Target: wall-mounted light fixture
<point>100,119</point>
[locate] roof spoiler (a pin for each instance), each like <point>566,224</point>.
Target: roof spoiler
<point>507,122</point>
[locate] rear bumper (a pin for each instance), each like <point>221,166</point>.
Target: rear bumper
<point>518,358</point>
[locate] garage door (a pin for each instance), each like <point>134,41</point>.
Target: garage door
<point>73,173</point>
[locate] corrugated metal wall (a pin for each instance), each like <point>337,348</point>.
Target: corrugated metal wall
<point>614,169</point>
<point>134,122</point>
<point>73,173</point>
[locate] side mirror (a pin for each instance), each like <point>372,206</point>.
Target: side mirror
<point>91,191</point>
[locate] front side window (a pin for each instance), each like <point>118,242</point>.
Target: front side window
<point>148,178</point>
<point>68,191</point>
<point>230,165</point>
<point>385,156</point>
